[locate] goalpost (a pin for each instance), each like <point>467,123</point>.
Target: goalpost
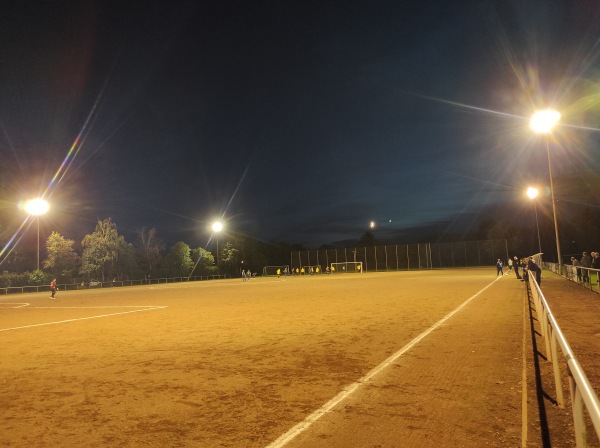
<point>347,267</point>
<point>269,271</point>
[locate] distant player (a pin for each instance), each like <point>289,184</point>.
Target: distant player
<point>499,266</point>
<point>278,272</point>
<point>53,288</point>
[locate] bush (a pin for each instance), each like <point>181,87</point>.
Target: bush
<point>11,279</point>
<point>37,278</point>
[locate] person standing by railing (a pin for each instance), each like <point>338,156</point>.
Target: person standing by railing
<point>596,264</point>
<point>575,262</point>
<point>586,262</point>
<point>534,269</point>
<point>516,264</point>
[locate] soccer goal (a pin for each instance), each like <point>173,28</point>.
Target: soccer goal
<point>313,269</point>
<point>347,267</point>
<point>270,271</point>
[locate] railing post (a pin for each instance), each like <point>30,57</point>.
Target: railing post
<point>560,399</point>
<point>578,416</point>
<point>547,333</point>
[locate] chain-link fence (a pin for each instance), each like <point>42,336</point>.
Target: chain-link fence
<point>408,256</point>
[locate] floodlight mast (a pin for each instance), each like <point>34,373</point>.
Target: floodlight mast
<point>542,122</point>
<point>37,207</point>
<point>217,227</point>
<point>532,193</point>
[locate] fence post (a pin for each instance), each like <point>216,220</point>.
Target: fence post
<point>559,392</point>
<point>578,416</point>
<point>387,267</point>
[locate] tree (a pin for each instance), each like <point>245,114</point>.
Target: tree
<point>102,250</point>
<point>228,258</point>
<point>125,263</point>
<point>203,260</point>
<point>179,262</point>
<point>148,249</point>
<point>368,239</point>
<point>62,258</point>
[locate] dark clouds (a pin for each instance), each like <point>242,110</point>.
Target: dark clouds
<point>295,121</point>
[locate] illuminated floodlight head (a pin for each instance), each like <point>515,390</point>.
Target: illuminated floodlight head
<point>37,207</point>
<point>217,226</point>
<point>532,192</point>
<point>543,121</point>
<point>372,224</point>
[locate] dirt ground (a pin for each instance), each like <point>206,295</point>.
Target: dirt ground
<point>406,359</point>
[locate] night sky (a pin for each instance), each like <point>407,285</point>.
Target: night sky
<point>293,121</point>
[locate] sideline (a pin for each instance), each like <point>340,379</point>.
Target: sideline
<point>525,388</point>
<point>147,308</point>
<point>350,389</point>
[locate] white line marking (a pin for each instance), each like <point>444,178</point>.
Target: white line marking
<point>20,304</point>
<point>350,389</point>
<point>93,307</point>
<point>83,318</point>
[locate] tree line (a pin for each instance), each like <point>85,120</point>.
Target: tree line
<point>105,255</point>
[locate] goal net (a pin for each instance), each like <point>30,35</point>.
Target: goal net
<point>313,269</point>
<point>347,267</point>
<point>269,271</point>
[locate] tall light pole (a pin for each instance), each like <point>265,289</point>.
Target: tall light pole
<point>217,227</point>
<point>37,207</point>
<point>542,122</point>
<point>532,193</point>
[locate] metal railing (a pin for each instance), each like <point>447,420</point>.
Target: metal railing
<point>583,395</point>
<point>107,284</point>
<point>588,278</point>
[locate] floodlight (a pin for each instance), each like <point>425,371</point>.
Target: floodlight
<point>37,207</point>
<point>532,192</point>
<point>543,121</point>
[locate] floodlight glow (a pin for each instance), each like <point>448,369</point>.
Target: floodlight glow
<point>217,226</point>
<point>372,224</point>
<point>37,207</point>
<point>532,192</point>
<point>543,121</point>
